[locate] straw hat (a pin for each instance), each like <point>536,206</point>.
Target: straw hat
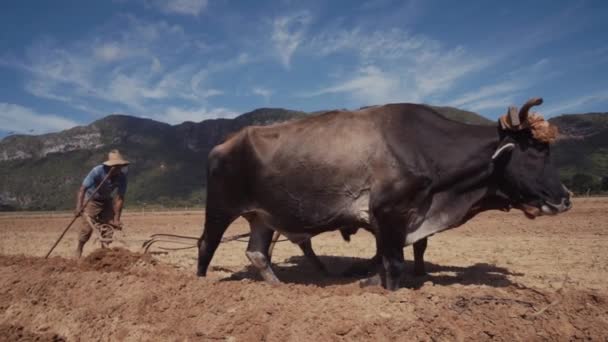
<point>115,159</point>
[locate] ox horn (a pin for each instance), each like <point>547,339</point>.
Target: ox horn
<point>523,112</point>
<point>514,117</point>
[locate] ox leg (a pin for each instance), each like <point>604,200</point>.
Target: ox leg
<point>394,264</point>
<point>257,249</point>
<point>311,256</point>
<point>390,253</point>
<point>391,240</point>
<point>215,226</point>
<point>419,249</point>
<point>390,204</point>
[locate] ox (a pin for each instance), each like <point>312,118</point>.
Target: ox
<point>402,171</point>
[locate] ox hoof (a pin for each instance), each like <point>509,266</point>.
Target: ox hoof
<point>392,284</point>
<point>271,279</point>
<point>371,281</point>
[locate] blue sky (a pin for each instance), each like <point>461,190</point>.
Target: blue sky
<point>66,63</point>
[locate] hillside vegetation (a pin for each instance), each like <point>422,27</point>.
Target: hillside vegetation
<point>168,162</point>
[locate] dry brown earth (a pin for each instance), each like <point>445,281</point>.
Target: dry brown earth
<point>500,277</point>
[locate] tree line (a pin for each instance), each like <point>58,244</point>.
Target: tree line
<point>586,184</point>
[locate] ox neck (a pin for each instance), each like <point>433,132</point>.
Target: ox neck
<point>467,162</point>
<point>476,180</point>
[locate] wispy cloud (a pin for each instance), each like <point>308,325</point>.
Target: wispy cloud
<point>288,33</point>
<point>369,85</point>
<point>137,71</point>
<point>182,7</point>
<point>477,99</point>
<point>109,52</point>
<point>391,44</point>
<point>394,65</point>
<point>578,103</point>
<point>176,115</point>
<point>507,91</point>
<point>175,65</point>
<point>20,119</point>
<point>263,92</point>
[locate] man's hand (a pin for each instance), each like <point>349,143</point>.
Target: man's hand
<point>78,211</point>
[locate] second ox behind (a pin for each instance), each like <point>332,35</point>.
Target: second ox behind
<point>402,171</point>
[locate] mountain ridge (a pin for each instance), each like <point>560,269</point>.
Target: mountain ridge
<point>169,161</point>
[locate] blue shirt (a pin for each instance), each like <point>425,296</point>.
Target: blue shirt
<point>97,174</point>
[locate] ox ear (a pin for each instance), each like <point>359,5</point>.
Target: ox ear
<point>502,150</point>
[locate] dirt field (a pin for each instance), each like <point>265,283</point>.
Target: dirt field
<point>499,277</point>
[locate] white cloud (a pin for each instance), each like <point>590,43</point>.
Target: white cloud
<point>472,99</point>
<point>369,86</point>
<point>176,115</point>
<point>19,119</point>
<point>231,63</point>
<point>505,92</point>
<point>392,44</point>
<point>44,90</point>
<point>263,92</point>
<point>125,74</point>
<point>491,103</point>
<point>394,65</point>
<point>182,7</point>
<point>108,52</point>
<point>288,33</point>
<point>156,65</point>
<point>210,93</point>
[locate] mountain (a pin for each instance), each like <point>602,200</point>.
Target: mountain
<point>581,152</point>
<point>168,162</point>
<point>463,116</point>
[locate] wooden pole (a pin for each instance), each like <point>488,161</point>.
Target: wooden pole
<point>79,212</point>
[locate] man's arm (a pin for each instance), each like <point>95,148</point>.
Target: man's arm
<point>87,183</point>
<point>80,199</point>
<point>119,201</point>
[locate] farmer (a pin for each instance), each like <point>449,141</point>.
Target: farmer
<point>102,212</point>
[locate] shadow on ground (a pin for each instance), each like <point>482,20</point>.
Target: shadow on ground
<point>297,270</point>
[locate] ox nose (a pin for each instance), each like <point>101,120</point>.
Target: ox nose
<point>554,208</point>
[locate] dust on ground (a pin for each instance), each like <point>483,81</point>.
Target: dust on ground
<point>499,277</point>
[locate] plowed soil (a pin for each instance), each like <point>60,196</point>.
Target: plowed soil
<point>500,277</point>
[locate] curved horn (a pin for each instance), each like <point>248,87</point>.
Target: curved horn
<point>514,117</point>
<point>523,112</point>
